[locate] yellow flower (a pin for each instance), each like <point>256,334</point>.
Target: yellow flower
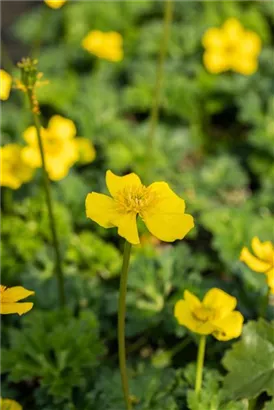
<point>14,170</point>
<point>159,207</point>
<point>214,315</point>
<point>55,4</point>
<point>104,45</point>
<point>9,298</point>
<point>231,48</point>
<point>86,150</point>
<point>6,82</point>
<point>59,147</point>
<point>263,262</point>
<point>8,404</point>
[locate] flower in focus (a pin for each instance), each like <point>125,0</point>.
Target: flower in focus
<point>55,4</point>
<point>231,48</point>
<point>86,150</point>
<point>159,207</point>
<point>104,45</point>
<point>214,315</point>
<point>14,170</point>
<point>5,85</point>
<point>9,298</point>
<point>263,261</point>
<point>59,147</point>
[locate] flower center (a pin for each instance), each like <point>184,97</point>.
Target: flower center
<point>204,314</point>
<point>134,199</point>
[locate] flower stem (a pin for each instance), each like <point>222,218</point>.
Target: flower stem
<point>59,271</point>
<point>121,324</point>
<point>200,364</point>
<point>154,114</point>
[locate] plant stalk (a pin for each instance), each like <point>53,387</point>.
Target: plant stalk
<point>154,114</point>
<point>59,271</point>
<point>200,363</point>
<point>121,324</point>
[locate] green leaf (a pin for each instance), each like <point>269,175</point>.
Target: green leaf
<point>250,362</point>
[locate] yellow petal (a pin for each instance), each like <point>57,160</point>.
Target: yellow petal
<point>250,44</point>
<point>116,183</point>
<point>243,65</point>
<point>127,227</point>
<point>191,299</point>
<point>229,327</point>
<point>233,31</point>
<point>61,127</point>
<point>20,308</point>
<point>213,39</point>
<point>215,62</point>
<point>264,250</point>
<point>220,301</point>
<point>101,209</point>
<point>270,279</point>
<point>165,218</point>
<point>14,294</point>
<point>184,315</point>
<point>86,150</point>
<point>55,4</point>
<point>5,85</point>
<point>32,157</point>
<point>252,262</point>
<point>8,404</point>
<point>30,135</point>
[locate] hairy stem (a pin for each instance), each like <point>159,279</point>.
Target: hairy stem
<point>200,364</point>
<point>59,271</point>
<point>121,324</point>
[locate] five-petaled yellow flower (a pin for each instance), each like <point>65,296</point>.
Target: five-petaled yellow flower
<point>55,4</point>
<point>263,262</point>
<point>108,46</point>
<point>59,147</point>
<point>9,298</point>
<point>214,315</point>
<point>159,207</point>
<point>86,150</point>
<point>5,85</point>
<point>8,404</point>
<point>14,170</point>
<point>231,48</point>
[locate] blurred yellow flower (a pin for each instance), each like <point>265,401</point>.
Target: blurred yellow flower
<point>8,404</point>
<point>9,298</point>
<point>59,147</point>
<point>5,85</point>
<point>263,262</point>
<point>86,150</point>
<point>108,46</point>
<point>214,315</point>
<point>159,207</point>
<point>55,4</point>
<point>14,170</point>
<point>231,48</point>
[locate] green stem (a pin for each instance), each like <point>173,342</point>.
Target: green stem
<point>121,324</point>
<point>252,404</point>
<point>154,114</point>
<point>200,364</point>
<point>264,304</point>
<point>7,203</point>
<point>59,271</point>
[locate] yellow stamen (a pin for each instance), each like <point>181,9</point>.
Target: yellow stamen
<point>135,199</point>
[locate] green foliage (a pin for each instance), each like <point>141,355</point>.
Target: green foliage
<point>214,146</point>
<point>55,349</point>
<point>250,362</point>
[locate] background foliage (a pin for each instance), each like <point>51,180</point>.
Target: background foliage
<point>214,146</point>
